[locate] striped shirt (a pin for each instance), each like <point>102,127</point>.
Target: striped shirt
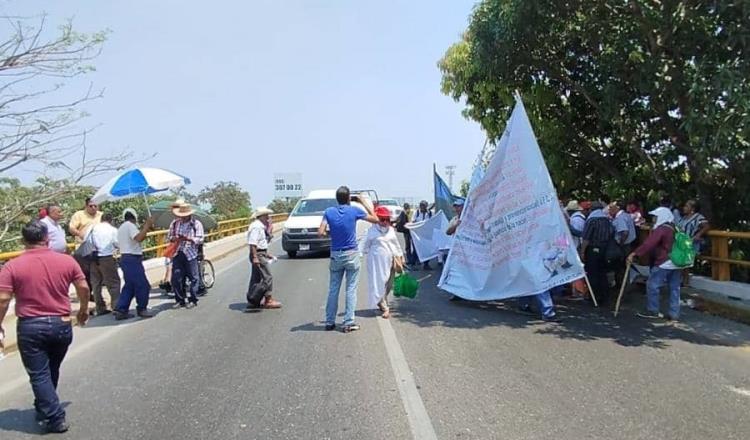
<point>691,225</point>
<point>192,229</point>
<point>598,230</point>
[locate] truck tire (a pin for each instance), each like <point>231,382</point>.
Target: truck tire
<point>292,254</point>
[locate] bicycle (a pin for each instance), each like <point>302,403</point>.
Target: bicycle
<point>206,272</point>
<point>206,276</point>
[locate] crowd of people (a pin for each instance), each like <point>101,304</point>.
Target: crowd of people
<point>40,278</point>
<point>605,233</point>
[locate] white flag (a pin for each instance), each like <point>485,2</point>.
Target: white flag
<point>513,240</point>
<point>429,236</point>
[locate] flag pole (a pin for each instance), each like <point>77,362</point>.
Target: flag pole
<point>622,288</point>
<point>434,184</point>
<point>591,291</point>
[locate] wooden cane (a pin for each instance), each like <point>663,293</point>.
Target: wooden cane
<point>622,288</point>
<point>591,291</point>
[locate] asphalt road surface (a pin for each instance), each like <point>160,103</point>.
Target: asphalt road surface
<point>436,369</point>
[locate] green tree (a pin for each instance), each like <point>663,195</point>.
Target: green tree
<point>626,97</point>
<point>227,199</point>
<point>464,189</point>
<point>280,206</point>
<point>40,120</point>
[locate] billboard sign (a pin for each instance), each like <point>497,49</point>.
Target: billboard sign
<point>287,185</point>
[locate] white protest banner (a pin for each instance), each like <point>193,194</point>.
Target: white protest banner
<point>513,240</point>
<point>429,236</point>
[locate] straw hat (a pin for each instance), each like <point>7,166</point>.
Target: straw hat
<point>183,210</point>
<point>261,211</point>
<point>573,206</point>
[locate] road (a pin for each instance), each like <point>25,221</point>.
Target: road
<point>437,369</point>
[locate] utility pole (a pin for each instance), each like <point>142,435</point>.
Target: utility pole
<point>450,170</point>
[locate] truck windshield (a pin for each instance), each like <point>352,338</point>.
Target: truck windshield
<point>313,206</point>
<point>388,202</point>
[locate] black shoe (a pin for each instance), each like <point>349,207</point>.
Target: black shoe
<point>145,314</point>
<point>553,318</point>
<point>179,305</point>
<point>39,416</point>
<point>330,327</point>
<point>58,427</point>
<point>650,315</point>
<point>120,316</point>
<point>103,312</point>
<point>350,328</point>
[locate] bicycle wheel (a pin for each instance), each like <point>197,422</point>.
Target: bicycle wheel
<point>207,271</point>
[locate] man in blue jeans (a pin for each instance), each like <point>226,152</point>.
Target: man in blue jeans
<point>544,303</point>
<point>658,245</point>
<point>39,279</point>
<point>341,222</point>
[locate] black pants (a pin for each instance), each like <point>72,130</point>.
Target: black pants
<point>261,280</point>
<point>596,270</point>
<point>85,263</point>
<point>411,258</point>
<point>185,270</point>
<point>619,265</point>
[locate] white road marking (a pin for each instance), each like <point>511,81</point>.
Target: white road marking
<point>742,391</point>
<point>76,349</point>
<point>416,413</point>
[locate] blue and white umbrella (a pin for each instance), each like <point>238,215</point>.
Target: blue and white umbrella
<point>137,182</point>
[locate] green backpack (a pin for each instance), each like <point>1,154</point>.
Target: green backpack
<point>683,252</point>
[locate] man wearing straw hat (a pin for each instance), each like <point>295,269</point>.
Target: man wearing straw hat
<point>188,232</point>
<point>261,280</point>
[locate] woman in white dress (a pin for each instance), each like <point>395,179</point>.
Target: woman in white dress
<point>384,258</point>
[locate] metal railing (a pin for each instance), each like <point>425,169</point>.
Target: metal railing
<point>225,228</point>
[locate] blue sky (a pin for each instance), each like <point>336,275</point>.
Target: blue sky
<point>345,92</point>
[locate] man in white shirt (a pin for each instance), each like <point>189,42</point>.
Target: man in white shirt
<point>129,237</point>
<point>56,233</point>
<point>103,266</point>
<point>261,281</point>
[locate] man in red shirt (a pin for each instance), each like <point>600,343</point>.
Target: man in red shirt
<point>39,279</point>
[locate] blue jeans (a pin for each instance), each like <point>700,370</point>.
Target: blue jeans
<point>183,268</point>
<point>543,301</point>
<point>43,342</point>
<point>343,263</point>
<point>136,284</point>
<point>656,280</point>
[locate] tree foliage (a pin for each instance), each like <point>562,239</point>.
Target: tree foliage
<point>281,206</point>
<point>227,199</point>
<point>40,125</point>
<point>627,97</point>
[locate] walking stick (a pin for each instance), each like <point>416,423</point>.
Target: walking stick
<point>591,291</point>
<point>622,288</point>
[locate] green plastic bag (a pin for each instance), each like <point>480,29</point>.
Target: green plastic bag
<point>683,252</point>
<point>405,285</point>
